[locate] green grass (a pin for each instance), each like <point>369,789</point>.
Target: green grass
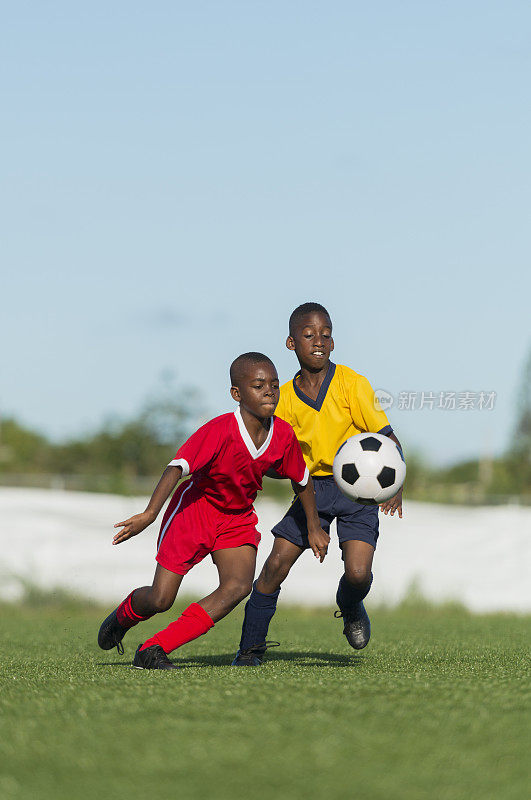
<point>435,707</point>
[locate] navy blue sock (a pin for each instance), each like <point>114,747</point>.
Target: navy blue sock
<point>259,611</point>
<point>348,595</point>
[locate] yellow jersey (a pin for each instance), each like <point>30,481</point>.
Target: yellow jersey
<point>346,405</point>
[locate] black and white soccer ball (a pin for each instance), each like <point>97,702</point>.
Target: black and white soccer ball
<point>369,468</point>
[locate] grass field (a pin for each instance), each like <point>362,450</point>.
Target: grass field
<point>435,707</point>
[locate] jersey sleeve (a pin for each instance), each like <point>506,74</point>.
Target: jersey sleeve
<point>292,464</point>
<point>198,450</point>
<point>367,414</point>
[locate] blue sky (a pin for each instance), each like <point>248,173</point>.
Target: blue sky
<point>177,177</point>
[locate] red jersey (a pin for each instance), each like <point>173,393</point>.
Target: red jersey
<point>227,467</point>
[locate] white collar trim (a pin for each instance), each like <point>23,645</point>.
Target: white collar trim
<point>248,442</point>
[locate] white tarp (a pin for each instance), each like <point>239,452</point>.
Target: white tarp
<point>479,556</point>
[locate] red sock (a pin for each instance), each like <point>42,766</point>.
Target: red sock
<point>193,622</point>
<point>125,614</point>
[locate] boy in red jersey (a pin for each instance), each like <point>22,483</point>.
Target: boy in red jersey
<point>326,404</point>
<point>213,513</point>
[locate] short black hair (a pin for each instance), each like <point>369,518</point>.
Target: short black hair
<point>239,365</point>
<point>302,310</point>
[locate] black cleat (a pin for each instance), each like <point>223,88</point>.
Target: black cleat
<point>253,656</point>
<point>111,634</point>
<point>152,657</point>
<point>357,627</point>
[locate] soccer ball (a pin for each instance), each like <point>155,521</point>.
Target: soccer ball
<point>369,468</point>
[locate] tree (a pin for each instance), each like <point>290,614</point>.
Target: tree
<point>519,457</point>
<point>522,434</point>
<point>22,449</point>
<point>121,449</point>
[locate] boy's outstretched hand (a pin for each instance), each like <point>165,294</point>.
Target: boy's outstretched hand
<point>394,504</point>
<point>319,541</point>
<point>132,526</point>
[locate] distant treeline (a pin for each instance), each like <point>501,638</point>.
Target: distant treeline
<point>127,456</point>
<point>122,456</point>
<point>477,481</point>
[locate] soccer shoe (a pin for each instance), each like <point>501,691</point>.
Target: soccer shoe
<point>152,657</point>
<point>253,656</point>
<point>111,634</point>
<point>357,626</point>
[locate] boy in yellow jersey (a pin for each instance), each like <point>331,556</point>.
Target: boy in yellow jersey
<point>326,404</point>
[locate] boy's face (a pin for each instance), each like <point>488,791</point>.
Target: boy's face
<point>258,390</point>
<point>312,340</point>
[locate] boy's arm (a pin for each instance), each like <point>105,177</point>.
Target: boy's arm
<point>318,539</point>
<point>368,416</point>
<point>395,503</point>
<point>134,525</point>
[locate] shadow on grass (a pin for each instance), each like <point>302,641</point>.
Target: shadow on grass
<point>301,659</point>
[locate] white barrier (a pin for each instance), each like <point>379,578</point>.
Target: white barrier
<point>479,556</point>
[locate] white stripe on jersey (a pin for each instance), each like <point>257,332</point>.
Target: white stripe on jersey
<point>175,510</point>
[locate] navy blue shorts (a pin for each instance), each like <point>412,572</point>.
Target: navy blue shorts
<point>355,522</point>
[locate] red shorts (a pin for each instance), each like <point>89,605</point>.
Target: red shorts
<point>192,528</point>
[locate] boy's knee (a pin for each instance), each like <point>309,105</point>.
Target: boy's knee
<point>161,602</point>
<point>274,571</point>
<point>358,575</point>
<point>238,589</point>
<point>244,589</point>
